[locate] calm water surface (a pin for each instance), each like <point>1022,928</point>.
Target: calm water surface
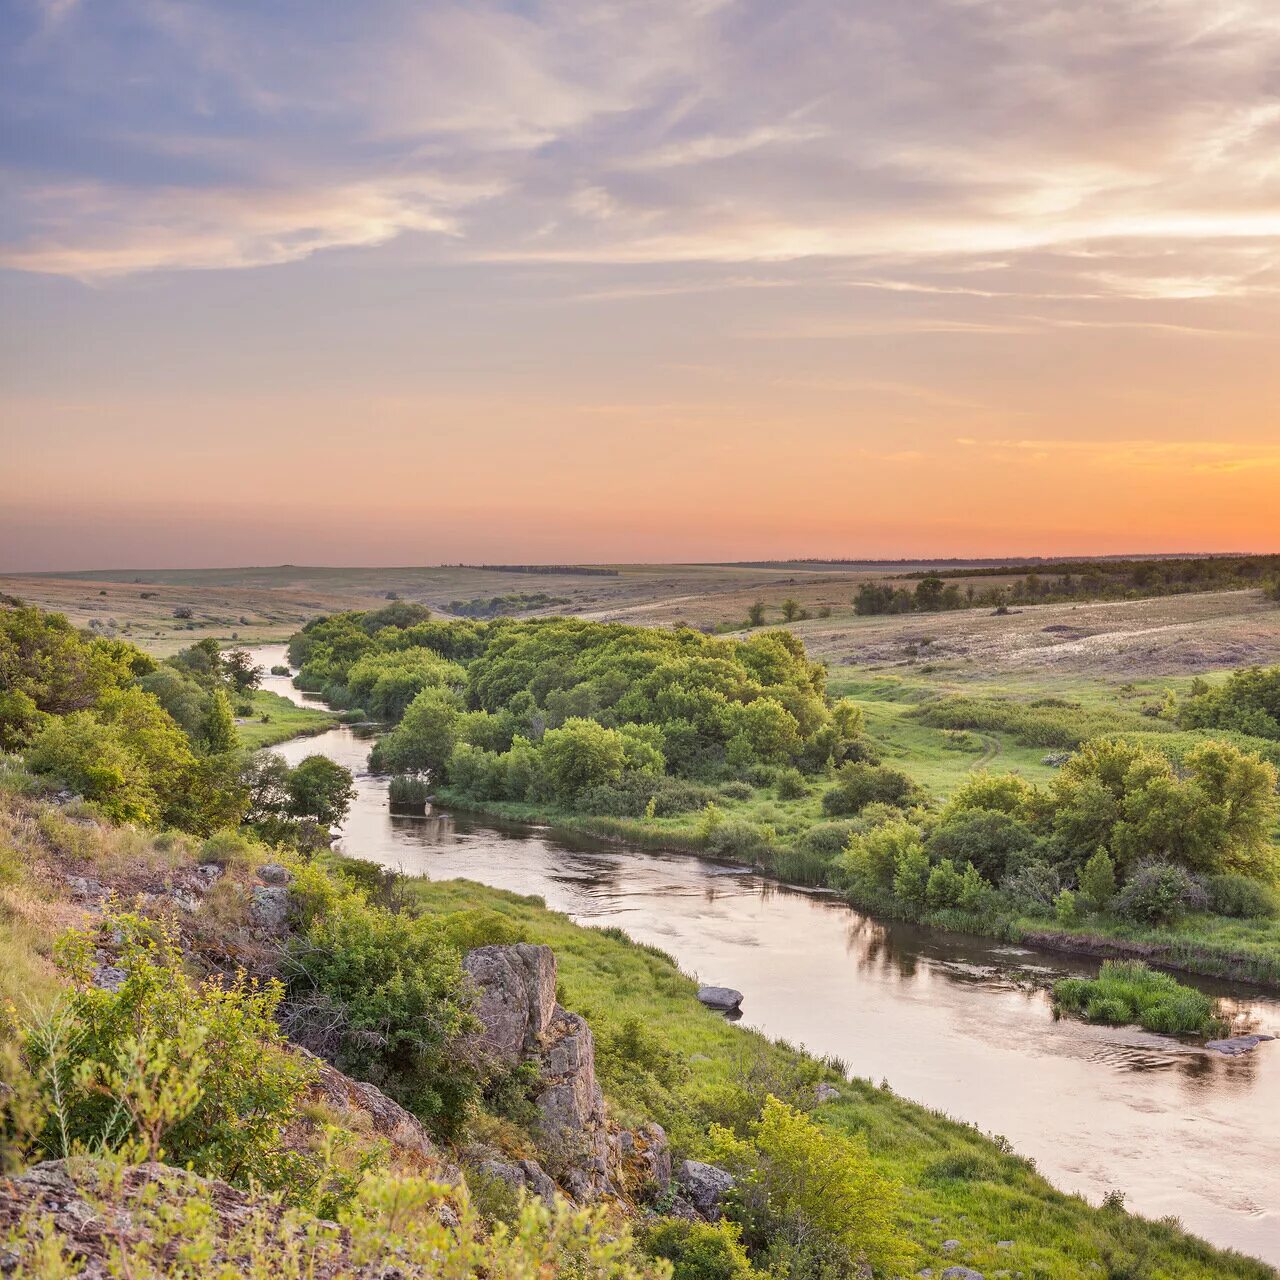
<point>948,1021</point>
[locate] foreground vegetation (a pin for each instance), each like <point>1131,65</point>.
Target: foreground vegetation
<point>188,1064</point>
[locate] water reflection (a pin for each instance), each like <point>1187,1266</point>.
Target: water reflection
<point>961,1024</point>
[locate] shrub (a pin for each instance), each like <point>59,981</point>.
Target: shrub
<point>1159,893</point>
<point>1066,910</point>
<point>1239,896</point>
<point>911,875</point>
<point>1098,881</point>
<point>165,1068</point>
<point>791,784</point>
<point>810,1203</point>
<point>408,792</point>
<point>944,886</point>
<point>995,842</point>
<point>859,784</point>
<point>736,791</point>
<point>1034,887</point>
<point>699,1250</point>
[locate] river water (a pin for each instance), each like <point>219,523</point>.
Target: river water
<point>949,1021</point>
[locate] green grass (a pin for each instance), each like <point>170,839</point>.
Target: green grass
<point>1127,991</point>
<point>978,1192</point>
<point>275,719</point>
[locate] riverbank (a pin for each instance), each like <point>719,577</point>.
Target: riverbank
<point>276,719</point>
<point>1206,946</point>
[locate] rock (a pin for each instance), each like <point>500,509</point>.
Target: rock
<point>961,1273</point>
<point>520,1175</point>
<point>572,1124</point>
<point>1237,1045</point>
<point>949,1246</point>
<point>207,874</point>
<point>647,1157</point>
<point>722,998</point>
<point>825,1093</point>
<point>85,888</point>
<point>269,906</point>
<point>107,977</point>
<point>705,1187</point>
<point>184,899</point>
<point>387,1118</point>
<point>515,998</point>
<point>274,873</point>
<point>1004,1244</point>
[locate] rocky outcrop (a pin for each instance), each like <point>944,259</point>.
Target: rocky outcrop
<point>515,999</point>
<point>705,1187</point>
<point>520,1022</point>
<point>367,1106</point>
<point>99,1217</point>
<point>519,1175</point>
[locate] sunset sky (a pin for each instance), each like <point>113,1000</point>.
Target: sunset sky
<point>325,282</point>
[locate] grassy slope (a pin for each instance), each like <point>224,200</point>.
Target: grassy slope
<point>286,720</point>
<point>977,1193</point>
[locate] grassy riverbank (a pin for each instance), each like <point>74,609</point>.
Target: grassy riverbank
<point>275,719</point>
<point>662,1056</point>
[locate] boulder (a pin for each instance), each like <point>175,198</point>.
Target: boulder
<point>274,873</point>
<point>515,990</point>
<point>1236,1045</point>
<point>725,999</point>
<point>705,1187</point>
<point>520,1175</point>
<point>961,1273</point>
<point>269,906</point>
<point>825,1092</point>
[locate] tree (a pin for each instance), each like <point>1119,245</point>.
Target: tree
<point>755,614</point>
<point>1098,881</point>
<point>581,754</point>
<point>219,732</point>
<point>241,672</point>
<point>929,592</point>
<point>424,739</point>
<point>90,758</point>
<point>911,876</point>
<point>321,789</point>
<point>765,732</point>
<point>790,609</point>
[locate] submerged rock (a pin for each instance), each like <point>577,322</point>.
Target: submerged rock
<point>1236,1045</point>
<point>725,999</point>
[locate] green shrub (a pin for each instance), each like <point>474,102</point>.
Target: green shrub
<point>859,784</point>
<point>944,886</point>
<point>995,842</point>
<point>1098,881</point>
<point>699,1250</point>
<point>1066,909</point>
<point>791,785</point>
<point>166,1068</point>
<point>736,790</point>
<point>1242,897</point>
<point>406,792</point>
<point>1159,893</point>
<point>809,1202</point>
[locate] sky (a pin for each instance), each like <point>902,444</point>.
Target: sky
<point>414,282</point>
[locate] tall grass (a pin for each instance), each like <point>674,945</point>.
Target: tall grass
<point>1127,991</point>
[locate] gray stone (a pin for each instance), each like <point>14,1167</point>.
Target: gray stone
<point>108,977</point>
<point>961,1273</point>
<point>949,1246</point>
<point>269,906</point>
<point>646,1153</point>
<point>207,874</point>
<point>1004,1244</point>
<point>825,1093</point>
<point>724,999</point>
<point>1237,1045</point>
<point>274,873</point>
<point>515,990</point>
<point>184,899</point>
<point>521,1175</point>
<point>86,889</point>
<point>572,1123</point>
<point>705,1187</point>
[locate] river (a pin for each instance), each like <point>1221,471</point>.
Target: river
<point>949,1021</point>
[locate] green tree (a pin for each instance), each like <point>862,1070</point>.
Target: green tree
<point>321,789</point>
<point>219,732</point>
<point>581,754</point>
<point>755,614</point>
<point>911,876</point>
<point>239,669</point>
<point>944,886</point>
<point>790,609</point>
<point>424,739</point>
<point>929,591</point>
<point>1098,880</point>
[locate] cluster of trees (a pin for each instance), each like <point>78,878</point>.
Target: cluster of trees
<point>504,606</point>
<point>930,595</point>
<point>1118,831</point>
<point>1248,701</point>
<point>147,741</point>
<point>567,711</point>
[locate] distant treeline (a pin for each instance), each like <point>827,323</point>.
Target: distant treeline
<point>1072,580</point>
<point>504,606</point>
<point>993,565</point>
<point>585,571</point>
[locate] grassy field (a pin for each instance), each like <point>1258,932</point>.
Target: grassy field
<point>275,719</point>
<point>957,1183</point>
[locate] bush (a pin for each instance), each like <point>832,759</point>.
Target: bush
<point>859,784</point>
<point>699,1250</point>
<point>791,785</point>
<point>1034,888</point>
<point>1127,991</point>
<point>408,793</point>
<point>165,1068</point>
<point>944,886</point>
<point>996,843</point>
<point>1239,896</point>
<point>1159,893</point>
<point>810,1203</point>
<point>736,791</point>
<point>1098,881</point>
